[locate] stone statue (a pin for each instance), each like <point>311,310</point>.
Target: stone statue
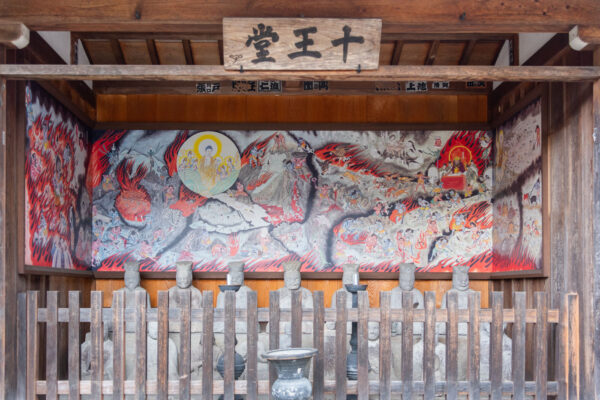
<point>406,283</point>
<point>235,277</point>
<point>460,286</point>
<point>152,359</point>
<point>236,274</point>
<point>132,284</point>
<point>86,354</point>
<point>183,285</point>
<point>292,280</point>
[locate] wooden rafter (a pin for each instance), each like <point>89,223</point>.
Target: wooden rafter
<point>432,54</point>
<point>398,44</point>
<point>408,16</point>
<point>218,73</point>
<point>14,34</point>
<point>187,51</point>
<point>466,55</point>
<point>151,45</point>
<point>117,51</point>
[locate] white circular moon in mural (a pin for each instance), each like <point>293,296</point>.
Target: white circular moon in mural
<point>208,163</point>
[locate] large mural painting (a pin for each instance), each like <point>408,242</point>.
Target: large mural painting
<point>58,231</point>
<point>325,197</point>
<point>518,192</point>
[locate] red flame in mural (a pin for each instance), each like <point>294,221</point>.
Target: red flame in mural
<point>348,155</point>
<point>474,216</point>
<point>99,161</point>
<point>254,151</point>
<point>465,146</point>
<point>188,201</point>
<point>133,201</point>
<point>173,150</point>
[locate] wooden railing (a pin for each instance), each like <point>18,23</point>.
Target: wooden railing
<point>562,322</point>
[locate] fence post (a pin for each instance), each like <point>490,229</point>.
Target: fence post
<point>340,346</point>
<point>319,344</point>
<point>32,343</point>
<point>207,345</point>
<point>518,346</point>
<point>496,332</point>
<point>429,346</point>
<point>541,344</point>
<point>452,346</point>
<point>51,345</point>
<point>573,306</point>
<point>185,332</point>
<point>97,353</point>
<point>474,346</point>
<point>21,345</point>
<point>252,340</point>
<point>118,309</point>
<point>407,345</point>
<point>363,345</point>
<point>162,374</point>
<point>229,344</point>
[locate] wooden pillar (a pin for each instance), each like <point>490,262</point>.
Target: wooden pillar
<point>3,391</point>
<point>596,219</point>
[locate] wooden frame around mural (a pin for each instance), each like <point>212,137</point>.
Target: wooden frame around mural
<point>540,91</point>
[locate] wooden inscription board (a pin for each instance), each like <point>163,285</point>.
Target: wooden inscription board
<point>301,43</point>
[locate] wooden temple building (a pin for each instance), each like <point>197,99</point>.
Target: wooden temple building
<point>335,160</point>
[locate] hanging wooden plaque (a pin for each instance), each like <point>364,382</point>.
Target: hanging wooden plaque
<point>301,43</point>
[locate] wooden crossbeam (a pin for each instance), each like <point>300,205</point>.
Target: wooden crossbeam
<point>14,34</point>
<point>408,16</point>
<point>192,73</point>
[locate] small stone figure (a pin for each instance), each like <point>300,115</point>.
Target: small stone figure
<point>132,284</point>
<point>236,274</point>
<point>292,280</point>
<point>183,286</point>
<point>152,359</point>
<point>406,282</point>
<point>460,286</point>
<point>86,355</point>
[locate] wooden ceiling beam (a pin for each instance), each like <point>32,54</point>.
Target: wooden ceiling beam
<point>192,73</point>
<point>431,16</point>
<point>14,34</point>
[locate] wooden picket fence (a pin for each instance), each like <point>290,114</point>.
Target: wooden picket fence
<point>563,322</point>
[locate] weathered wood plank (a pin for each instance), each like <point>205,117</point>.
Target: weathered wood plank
<point>429,346</point>
<point>273,334</point>
<point>118,307</point>
<point>384,73</point>
<point>596,218</point>
<point>51,344</point>
<point>407,345</point>
<point>385,346</point>
<point>252,352</point>
<point>32,343</point>
<point>474,346</point>
<point>319,344</point>
<point>140,344</point>
<point>296,311</point>
<point>363,346</point>
<point>452,346</point>
<point>207,345</point>
<point>518,346</point>
<point>340,345</point>
<point>185,329</point>
<point>573,346</point>
<point>496,330</point>
<point>229,344</point>
<point>97,338</point>
<point>301,43</point>
<point>562,368</point>
<point>22,345</point>
<point>162,374</point>
<point>442,16</point>
<point>541,344</point>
